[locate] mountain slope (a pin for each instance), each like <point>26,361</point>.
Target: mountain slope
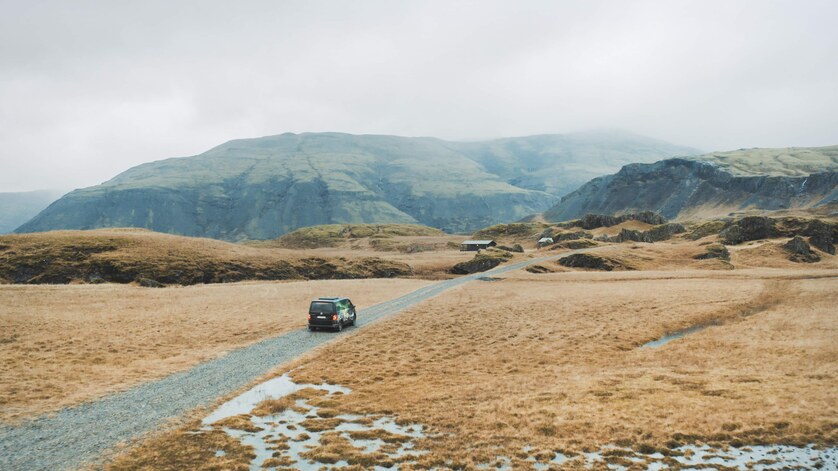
<point>559,164</point>
<point>17,208</point>
<point>262,188</point>
<point>711,185</point>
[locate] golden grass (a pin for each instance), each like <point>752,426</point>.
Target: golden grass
<point>553,363</point>
<point>132,255</point>
<point>61,345</point>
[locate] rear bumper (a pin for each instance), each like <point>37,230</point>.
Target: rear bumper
<point>322,323</point>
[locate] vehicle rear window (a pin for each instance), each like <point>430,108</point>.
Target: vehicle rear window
<point>322,307</point>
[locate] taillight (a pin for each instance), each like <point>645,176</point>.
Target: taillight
<point>334,317</point>
<point>309,316</point>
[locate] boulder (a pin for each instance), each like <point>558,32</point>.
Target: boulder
<point>800,251</point>
<point>714,251</point>
<point>478,264</point>
<point>822,235</point>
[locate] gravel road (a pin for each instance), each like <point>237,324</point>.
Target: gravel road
<point>81,434</point>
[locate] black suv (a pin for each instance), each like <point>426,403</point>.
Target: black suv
<point>332,313</point>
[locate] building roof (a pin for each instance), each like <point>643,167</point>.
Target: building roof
<point>476,242</point>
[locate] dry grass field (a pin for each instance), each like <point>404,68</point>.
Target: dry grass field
<point>63,344</point>
<point>554,362</point>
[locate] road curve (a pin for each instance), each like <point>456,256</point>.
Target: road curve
<point>82,433</point>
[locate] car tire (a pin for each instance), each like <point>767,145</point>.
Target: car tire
<point>339,327</point>
<point>354,318</point>
<point>311,328</point>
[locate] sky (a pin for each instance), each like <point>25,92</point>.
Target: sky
<point>89,89</point>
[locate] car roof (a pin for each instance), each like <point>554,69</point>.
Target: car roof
<point>331,299</point>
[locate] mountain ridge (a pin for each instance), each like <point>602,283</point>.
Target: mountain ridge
<point>260,188</point>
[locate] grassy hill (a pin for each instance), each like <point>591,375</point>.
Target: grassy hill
<point>150,258</point>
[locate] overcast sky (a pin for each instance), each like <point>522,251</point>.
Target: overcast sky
<point>89,89</point>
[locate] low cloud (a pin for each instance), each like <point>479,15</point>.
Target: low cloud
<point>90,89</point>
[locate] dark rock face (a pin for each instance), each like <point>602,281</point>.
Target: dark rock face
<point>800,251</point>
<point>714,251</point>
<point>749,228</point>
<point>517,248</point>
<point>655,234</point>
<point>594,262</point>
<point>594,221</point>
<point>675,186</point>
<point>478,264</point>
<point>822,235</point>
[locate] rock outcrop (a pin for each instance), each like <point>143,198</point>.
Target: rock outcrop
<point>799,251</point>
<point>747,229</point>
<point>590,261</point>
<point>479,263</point>
<point>822,235</point>
<point>682,187</point>
<point>655,234</point>
<point>594,221</point>
<point>718,251</point>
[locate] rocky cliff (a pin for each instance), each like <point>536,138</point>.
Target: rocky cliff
<point>699,187</point>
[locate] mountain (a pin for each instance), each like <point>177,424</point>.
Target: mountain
<point>560,163</point>
<point>17,208</point>
<point>711,185</point>
<point>262,188</point>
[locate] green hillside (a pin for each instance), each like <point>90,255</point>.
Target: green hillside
<point>264,187</point>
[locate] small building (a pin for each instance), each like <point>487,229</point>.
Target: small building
<point>545,241</point>
<point>474,245</point>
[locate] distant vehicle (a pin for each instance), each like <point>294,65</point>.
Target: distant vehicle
<point>331,313</point>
